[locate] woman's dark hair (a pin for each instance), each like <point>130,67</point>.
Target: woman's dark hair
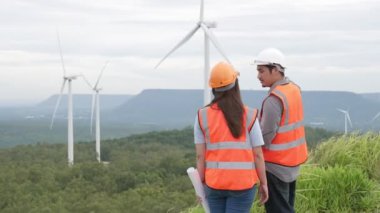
<point>232,107</point>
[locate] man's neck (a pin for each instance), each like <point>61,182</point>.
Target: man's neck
<point>282,80</point>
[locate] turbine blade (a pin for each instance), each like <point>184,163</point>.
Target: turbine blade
<point>202,10</point>
<point>92,111</point>
<point>214,41</point>
<point>86,80</point>
<point>100,75</point>
<point>184,40</point>
<point>60,53</point>
<point>341,110</point>
<point>57,103</point>
<point>375,117</point>
<point>349,119</point>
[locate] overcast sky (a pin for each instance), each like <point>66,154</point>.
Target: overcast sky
<point>329,44</point>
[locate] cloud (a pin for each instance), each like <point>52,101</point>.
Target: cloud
<point>320,37</point>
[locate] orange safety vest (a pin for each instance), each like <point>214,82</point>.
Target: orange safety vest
<point>288,147</point>
<point>230,163</point>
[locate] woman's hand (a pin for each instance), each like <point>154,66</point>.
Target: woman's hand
<point>263,193</point>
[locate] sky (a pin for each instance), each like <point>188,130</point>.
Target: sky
<point>328,44</point>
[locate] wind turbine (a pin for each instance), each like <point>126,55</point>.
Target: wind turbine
<point>70,130</point>
<point>375,117</point>
<point>346,118</point>
<point>96,106</point>
<point>208,36</point>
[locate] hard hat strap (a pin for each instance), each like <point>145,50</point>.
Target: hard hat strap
<point>225,88</point>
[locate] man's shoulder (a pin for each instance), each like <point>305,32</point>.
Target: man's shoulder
<point>272,99</point>
<point>272,104</point>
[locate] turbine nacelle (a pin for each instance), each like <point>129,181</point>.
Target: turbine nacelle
<point>71,77</point>
<point>209,36</point>
<point>95,109</point>
<point>209,24</point>
<point>70,128</point>
<point>346,119</point>
<point>346,114</point>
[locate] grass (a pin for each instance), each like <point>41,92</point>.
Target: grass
<point>354,151</point>
<point>342,175</point>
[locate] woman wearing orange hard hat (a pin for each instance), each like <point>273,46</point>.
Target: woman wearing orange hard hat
<point>228,144</point>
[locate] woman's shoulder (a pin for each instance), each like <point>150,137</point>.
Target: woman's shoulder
<point>246,107</point>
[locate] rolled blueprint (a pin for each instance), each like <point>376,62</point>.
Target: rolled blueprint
<point>198,186</point>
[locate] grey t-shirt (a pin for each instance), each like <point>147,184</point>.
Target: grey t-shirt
<point>271,117</point>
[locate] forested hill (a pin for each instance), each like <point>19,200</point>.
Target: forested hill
<point>173,108</point>
<point>163,109</point>
<point>146,173</point>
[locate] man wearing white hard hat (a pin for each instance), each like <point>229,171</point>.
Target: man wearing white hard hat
<point>281,120</point>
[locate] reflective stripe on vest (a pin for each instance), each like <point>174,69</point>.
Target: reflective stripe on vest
<point>285,146</point>
<point>230,165</point>
<point>286,105</point>
<point>229,145</point>
<point>290,127</point>
<point>205,125</point>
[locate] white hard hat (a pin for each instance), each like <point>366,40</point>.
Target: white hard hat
<point>270,56</point>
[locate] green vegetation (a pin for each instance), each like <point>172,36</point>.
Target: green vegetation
<point>314,136</point>
<point>22,132</point>
<point>336,189</point>
<point>353,151</point>
<point>342,175</point>
<point>147,173</point>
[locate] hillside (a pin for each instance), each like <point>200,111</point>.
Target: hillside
<point>178,107</point>
<point>142,176</point>
<point>44,109</point>
<point>372,96</point>
<point>155,109</point>
<point>146,174</point>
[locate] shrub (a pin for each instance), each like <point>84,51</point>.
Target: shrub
<point>354,151</point>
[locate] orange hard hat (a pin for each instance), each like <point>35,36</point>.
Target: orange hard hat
<point>223,77</point>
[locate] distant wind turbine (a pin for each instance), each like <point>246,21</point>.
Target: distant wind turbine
<point>346,118</point>
<point>96,107</point>
<point>375,117</point>
<point>208,36</point>
<point>70,130</point>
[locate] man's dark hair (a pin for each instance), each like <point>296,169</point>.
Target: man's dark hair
<point>275,66</point>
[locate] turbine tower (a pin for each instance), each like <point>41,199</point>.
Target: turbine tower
<point>208,36</point>
<point>346,118</point>
<point>95,107</point>
<point>70,130</point>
